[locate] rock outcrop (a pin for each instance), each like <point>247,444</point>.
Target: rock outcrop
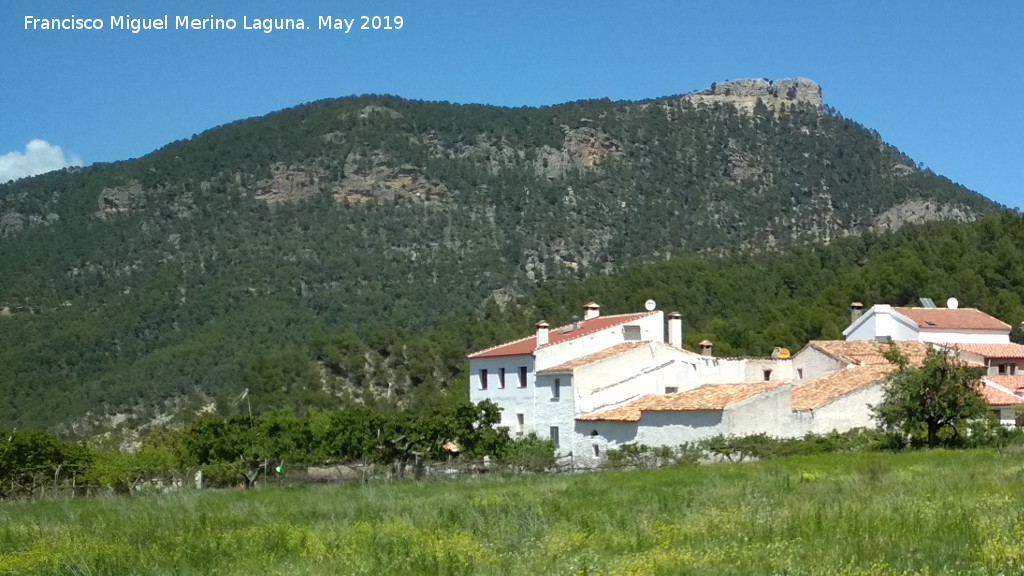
<point>583,148</point>
<point>917,212</point>
<point>745,93</point>
<point>372,177</point>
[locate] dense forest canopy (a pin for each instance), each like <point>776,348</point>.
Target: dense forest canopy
<point>353,251</point>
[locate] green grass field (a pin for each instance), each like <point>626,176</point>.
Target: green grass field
<point>920,513</point>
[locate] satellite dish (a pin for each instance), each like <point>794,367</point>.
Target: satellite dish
<point>649,305</point>
<point>952,303</point>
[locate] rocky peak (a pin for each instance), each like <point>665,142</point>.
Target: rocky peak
<point>744,93</point>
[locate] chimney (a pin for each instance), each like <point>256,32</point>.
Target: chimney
<point>591,311</point>
<point>705,348</point>
<point>542,333</point>
<point>856,311</point>
<point>675,330</point>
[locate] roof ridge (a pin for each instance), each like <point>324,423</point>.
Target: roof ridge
<point>581,331</point>
<point>516,341</point>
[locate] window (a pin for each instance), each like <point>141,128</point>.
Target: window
<point>597,451</point>
<point>556,389</point>
<point>767,375</point>
<point>671,389</point>
<point>483,378</point>
<point>630,333</point>
<point>1002,368</point>
<point>501,378</point>
<point>1010,369</point>
<point>800,373</point>
<point>554,437</point>
<point>521,422</point>
<point>522,376</point>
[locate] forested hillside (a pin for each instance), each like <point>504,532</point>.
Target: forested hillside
<point>352,251</point>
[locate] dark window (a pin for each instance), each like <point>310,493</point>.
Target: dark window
<point>597,450</point>
<point>800,373</point>
<point>522,376</point>
<point>554,437</point>
<point>556,389</point>
<point>671,389</point>
<point>483,379</point>
<point>767,375</point>
<point>630,333</point>
<point>501,378</point>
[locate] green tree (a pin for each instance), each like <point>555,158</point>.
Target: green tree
<point>942,392</point>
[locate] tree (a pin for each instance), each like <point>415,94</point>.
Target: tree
<point>942,392</point>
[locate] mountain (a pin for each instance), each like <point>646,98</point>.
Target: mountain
<point>154,286</point>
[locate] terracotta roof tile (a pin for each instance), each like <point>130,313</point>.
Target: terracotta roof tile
<point>994,396</point>
<point>568,367</point>
<point>822,390</point>
<point>867,352</point>
<point>952,319</point>
<point>558,335</point>
<point>628,413</point>
<point>1009,382</point>
<point>990,350</point>
<point>708,397</point>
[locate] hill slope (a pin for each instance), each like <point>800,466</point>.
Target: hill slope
<point>179,274</point>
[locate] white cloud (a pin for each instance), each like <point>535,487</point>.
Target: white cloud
<point>40,156</point>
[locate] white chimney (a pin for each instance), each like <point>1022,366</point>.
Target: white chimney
<point>591,310</point>
<point>542,333</point>
<point>675,330</point>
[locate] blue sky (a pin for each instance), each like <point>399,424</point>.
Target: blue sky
<point>939,80</point>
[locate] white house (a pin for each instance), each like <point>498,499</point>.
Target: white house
<point>886,323</point>
<point>507,374</point>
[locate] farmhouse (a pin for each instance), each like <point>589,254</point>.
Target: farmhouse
<point>607,381</point>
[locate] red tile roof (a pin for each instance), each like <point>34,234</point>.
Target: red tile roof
<point>953,319</point>
<point>822,390</point>
<point>559,335</point>
<point>994,396</point>
<point>867,352</point>
<point>990,350</point>
<point>707,397</point>
<point>1009,382</point>
<point>570,366</point>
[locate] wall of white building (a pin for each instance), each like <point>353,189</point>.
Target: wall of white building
<point>555,410</point>
<point>592,440</point>
<point>630,375</point>
<point>675,428</point>
<point>779,370</point>
<point>845,413</point>
<point>973,337</point>
<point>1007,416</point>
<point>512,399</point>
<point>768,413</point>
<point>810,363</point>
<point>881,322</point>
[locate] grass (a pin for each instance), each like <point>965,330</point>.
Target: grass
<point>932,513</point>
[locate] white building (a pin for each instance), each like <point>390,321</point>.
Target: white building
<point>507,374</point>
<point>607,381</point>
<point>884,323</point>
<point>545,382</point>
